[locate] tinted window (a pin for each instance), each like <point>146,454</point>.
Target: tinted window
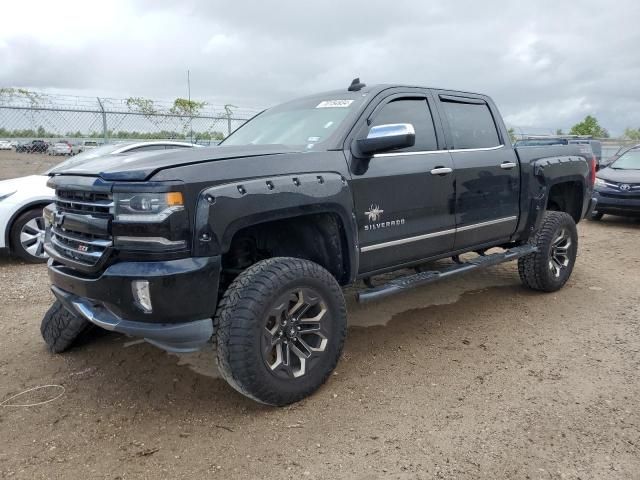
<point>471,125</point>
<point>416,112</point>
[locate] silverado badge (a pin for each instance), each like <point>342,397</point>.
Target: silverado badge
<point>374,214</point>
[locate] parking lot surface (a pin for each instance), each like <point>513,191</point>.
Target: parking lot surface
<point>473,377</point>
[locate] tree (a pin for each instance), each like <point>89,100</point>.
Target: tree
<point>589,126</point>
<point>188,108</point>
<point>512,134</point>
<point>559,132</point>
<point>632,134</point>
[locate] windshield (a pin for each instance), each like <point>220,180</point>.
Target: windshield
<point>302,123</point>
<point>628,161</point>
<point>88,155</point>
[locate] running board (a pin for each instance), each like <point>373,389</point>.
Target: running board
<point>401,284</point>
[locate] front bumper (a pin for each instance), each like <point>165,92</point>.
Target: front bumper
<point>183,295</point>
<point>617,205</point>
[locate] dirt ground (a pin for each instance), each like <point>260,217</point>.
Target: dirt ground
<point>14,164</point>
<point>474,377</point>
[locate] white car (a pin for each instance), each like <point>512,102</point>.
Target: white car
<point>22,199</point>
<point>5,145</point>
<point>83,146</point>
<point>59,148</point>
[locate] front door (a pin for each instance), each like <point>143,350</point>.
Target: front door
<point>404,199</point>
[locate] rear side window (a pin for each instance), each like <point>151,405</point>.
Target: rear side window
<point>416,112</point>
<point>471,125</point>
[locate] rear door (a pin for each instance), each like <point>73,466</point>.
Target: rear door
<point>403,210</point>
<point>487,171</point>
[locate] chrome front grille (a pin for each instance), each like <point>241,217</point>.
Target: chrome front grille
<point>77,213</point>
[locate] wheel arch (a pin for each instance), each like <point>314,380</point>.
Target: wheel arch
<point>567,196</point>
<point>320,237</point>
<point>305,205</point>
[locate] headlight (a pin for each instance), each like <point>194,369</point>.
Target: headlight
<point>599,183</point>
<point>147,207</point>
<point>6,195</point>
<point>151,222</point>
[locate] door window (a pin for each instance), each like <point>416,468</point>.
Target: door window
<point>471,125</point>
<point>416,112</point>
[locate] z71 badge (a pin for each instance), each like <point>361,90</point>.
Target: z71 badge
<point>374,215</point>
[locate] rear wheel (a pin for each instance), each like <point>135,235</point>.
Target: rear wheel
<point>27,236</point>
<point>549,268</point>
<point>280,330</point>
<point>597,216</point>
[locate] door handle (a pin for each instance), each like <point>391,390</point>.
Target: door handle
<point>441,170</point>
<point>507,165</point>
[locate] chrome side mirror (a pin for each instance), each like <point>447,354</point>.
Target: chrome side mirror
<point>382,138</point>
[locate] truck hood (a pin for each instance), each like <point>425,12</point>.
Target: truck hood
<point>143,165</point>
<point>619,176</point>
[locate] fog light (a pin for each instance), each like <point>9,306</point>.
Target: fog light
<point>142,294</point>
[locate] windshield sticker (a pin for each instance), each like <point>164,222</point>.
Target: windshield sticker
<point>335,104</point>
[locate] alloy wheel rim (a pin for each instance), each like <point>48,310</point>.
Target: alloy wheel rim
<point>32,237</point>
<point>296,333</point>
<point>560,250</point>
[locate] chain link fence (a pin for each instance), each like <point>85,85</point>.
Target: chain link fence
<point>27,115</point>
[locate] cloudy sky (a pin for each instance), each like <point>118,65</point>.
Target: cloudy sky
<point>546,63</point>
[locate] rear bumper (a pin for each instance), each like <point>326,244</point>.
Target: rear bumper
<point>183,293</point>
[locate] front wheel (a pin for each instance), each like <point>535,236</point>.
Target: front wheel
<point>61,329</point>
<point>597,216</point>
<point>280,330</point>
<point>549,268</point>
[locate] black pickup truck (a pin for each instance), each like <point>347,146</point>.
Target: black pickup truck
<point>248,244</point>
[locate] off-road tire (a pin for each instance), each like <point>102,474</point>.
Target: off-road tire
<point>596,216</point>
<point>241,318</point>
<point>62,330</point>
<point>14,236</point>
<point>534,269</point>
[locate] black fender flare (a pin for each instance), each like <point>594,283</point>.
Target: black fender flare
<point>223,210</point>
<point>551,171</point>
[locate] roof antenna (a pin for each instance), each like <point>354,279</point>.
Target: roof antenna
<point>356,85</point>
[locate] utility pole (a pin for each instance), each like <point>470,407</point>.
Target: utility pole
<point>104,120</point>
<point>190,106</point>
